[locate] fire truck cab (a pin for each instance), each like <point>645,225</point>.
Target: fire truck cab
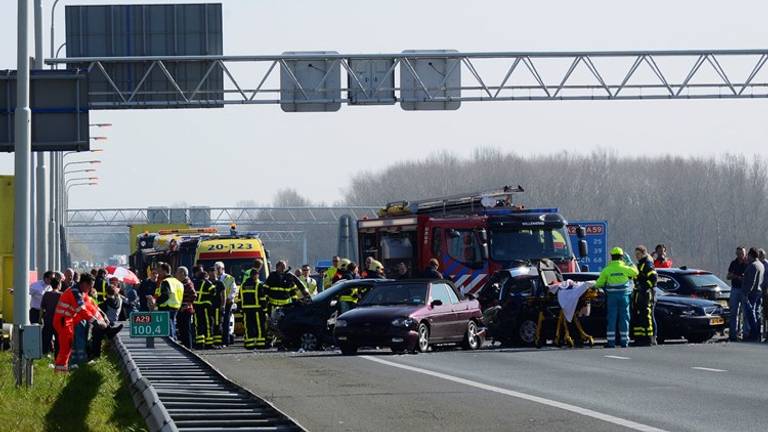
<point>472,236</point>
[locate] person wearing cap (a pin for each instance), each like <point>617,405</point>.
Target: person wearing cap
<point>616,280</point>
<point>230,294</point>
<point>330,272</point>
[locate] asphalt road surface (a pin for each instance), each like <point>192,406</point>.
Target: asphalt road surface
<point>679,387</point>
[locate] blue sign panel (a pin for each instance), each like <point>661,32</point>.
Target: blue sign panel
<point>597,243</point>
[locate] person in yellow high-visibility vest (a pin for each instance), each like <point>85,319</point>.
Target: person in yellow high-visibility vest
<point>616,279</point>
<point>330,272</point>
<point>168,295</point>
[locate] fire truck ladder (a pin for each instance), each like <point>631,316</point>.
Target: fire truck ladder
<point>501,197</point>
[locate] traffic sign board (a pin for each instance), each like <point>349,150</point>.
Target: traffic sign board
<point>150,324</point>
<point>597,243</point>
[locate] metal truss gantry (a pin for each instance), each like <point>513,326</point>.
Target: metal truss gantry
<point>221,216</point>
<point>491,76</point>
<point>91,237</point>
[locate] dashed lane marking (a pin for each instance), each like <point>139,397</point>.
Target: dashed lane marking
<point>524,396</point>
<point>617,357</point>
<point>708,369</point>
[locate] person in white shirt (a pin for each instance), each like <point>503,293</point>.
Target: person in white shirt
<point>230,294</point>
<point>36,291</point>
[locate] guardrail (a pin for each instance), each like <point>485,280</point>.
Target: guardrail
<point>175,390</point>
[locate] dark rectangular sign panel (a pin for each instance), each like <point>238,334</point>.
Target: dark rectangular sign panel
<point>59,102</point>
<point>148,30</point>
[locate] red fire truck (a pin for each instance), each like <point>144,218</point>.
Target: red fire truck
<point>471,235</point>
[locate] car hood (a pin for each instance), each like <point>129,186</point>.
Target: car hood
<point>379,313</point>
<point>684,301</point>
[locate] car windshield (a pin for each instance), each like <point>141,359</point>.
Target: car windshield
<point>333,291</point>
<point>527,244</point>
<point>396,294</point>
<point>706,280</point>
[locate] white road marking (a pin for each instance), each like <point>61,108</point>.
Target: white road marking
<point>519,395</point>
<point>708,369</point>
<point>617,357</point>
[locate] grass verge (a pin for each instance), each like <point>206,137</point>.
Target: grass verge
<point>92,398</point>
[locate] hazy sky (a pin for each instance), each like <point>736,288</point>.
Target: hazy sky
<point>221,156</point>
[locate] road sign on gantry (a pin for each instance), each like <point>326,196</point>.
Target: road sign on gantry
<point>428,83</point>
<point>310,84</point>
<point>59,103</point>
<point>371,82</point>
<point>149,30</point>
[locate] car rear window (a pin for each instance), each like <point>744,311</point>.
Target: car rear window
<point>706,281</point>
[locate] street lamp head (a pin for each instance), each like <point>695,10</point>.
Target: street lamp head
<point>100,125</point>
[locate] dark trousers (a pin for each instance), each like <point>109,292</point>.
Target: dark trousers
<point>171,320</point>
<point>226,326</point>
<point>216,325</point>
<point>184,322</point>
<point>48,335</point>
<point>203,326</point>
<point>642,315</point>
<point>752,315</point>
<point>252,321</point>
<point>34,316</point>
<point>97,336</point>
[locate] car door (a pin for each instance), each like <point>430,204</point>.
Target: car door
<point>461,314</point>
<point>440,317</point>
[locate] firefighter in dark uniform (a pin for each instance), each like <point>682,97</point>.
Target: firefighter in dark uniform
<point>100,285</point>
<point>643,296</point>
<point>217,307</point>
<point>251,300</point>
<point>203,309</point>
<point>282,288</point>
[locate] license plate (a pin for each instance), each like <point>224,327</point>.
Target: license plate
<point>716,321</point>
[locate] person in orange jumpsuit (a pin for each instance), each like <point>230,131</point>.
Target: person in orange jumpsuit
<point>74,306</point>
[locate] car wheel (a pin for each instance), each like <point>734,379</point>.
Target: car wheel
<point>699,337</point>
<point>526,332</point>
<point>471,338</point>
<point>423,344</point>
<point>309,342</point>
<point>348,349</point>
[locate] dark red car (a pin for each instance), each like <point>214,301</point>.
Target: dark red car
<point>410,316</point>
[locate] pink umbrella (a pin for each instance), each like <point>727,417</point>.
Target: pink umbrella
<point>123,275</point>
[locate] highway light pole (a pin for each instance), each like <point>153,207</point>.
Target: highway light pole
<point>55,158</point>
<point>41,210</point>
<point>23,151</point>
